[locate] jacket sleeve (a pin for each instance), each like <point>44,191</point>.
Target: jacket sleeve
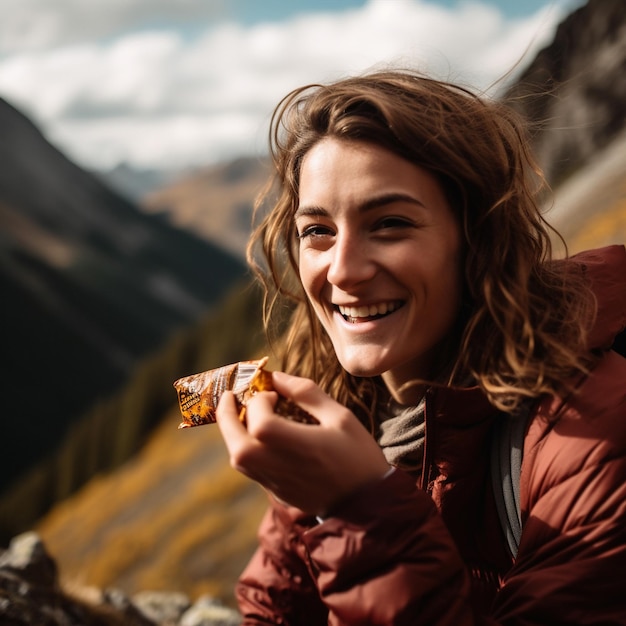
<point>384,557</point>
<point>571,561</point>
<point>276,587</point>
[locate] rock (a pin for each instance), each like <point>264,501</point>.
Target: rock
<point>31,595</point>
<point>124,606</point>
<point>575,89</point>
<point>27,558</point>
<point>162,606</point>
<point>210,612</point>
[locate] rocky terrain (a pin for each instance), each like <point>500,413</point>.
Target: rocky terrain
<point>31,594</point>
<point>574,91</point>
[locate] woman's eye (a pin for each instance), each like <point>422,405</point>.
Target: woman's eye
<point>315,230</point>
<point>393,222</point>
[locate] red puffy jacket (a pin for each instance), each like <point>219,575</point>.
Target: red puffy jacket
<point>434,552</point>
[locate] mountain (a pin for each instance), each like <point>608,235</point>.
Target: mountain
<point>90,286</point>
<point>574,96</point>
<point>574,92</point>
<point>137,183</point>
<point>180,518</point>
<point>215,201</point>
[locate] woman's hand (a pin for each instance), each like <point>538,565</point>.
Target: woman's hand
<point>312,467</point>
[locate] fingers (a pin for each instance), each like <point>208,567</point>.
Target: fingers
<point>266,425</point>
<point>245,444</point>
<point>310,397</point>
<point>248,453</point>
<point>228,416</point>
<point>309,466</point>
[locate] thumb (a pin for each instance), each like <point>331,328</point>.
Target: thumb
<point>228,419</point>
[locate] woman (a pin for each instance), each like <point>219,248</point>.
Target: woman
<point>426,309</point>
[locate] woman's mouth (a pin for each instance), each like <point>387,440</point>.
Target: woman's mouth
<point>365,313</point>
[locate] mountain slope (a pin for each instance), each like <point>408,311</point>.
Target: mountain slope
<point>90,286</point>
<point>215,201</point>
<point>589,208</point>
<point>574,91</point>
<point>178,519</point>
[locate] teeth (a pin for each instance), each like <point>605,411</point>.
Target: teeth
<point>368,311</point>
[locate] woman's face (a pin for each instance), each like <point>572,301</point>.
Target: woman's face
<point>379,259</point>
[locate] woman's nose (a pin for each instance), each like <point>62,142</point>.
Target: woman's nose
<point>350,261</point>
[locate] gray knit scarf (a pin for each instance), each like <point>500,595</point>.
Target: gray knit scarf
<point>401,436</point>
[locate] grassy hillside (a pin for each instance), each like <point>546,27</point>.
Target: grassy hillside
<point>590,208</point>
<point>175,516</point>
<point>113,430</point>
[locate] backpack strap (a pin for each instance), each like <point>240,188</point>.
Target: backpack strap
<point>507,445</point>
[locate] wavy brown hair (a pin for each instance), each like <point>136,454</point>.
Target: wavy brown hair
<point>522,329</point>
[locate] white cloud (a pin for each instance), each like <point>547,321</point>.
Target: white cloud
<point>30,25</point>
<point>157,97</point>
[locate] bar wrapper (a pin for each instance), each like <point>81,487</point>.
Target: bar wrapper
<point>199,394</point>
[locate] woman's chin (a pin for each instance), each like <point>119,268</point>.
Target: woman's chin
<point>362,368</point>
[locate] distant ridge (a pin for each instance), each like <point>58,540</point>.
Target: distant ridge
<point>215,201</point>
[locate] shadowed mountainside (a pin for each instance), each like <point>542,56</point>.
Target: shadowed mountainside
<point>90,286</point>
<point>574,91</point>
<point>574,96</point>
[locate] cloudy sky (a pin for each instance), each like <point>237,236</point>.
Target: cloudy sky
<point>180,83</point>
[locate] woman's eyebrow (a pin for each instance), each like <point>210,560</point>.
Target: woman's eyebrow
<point>389,198</point>
<point>369,204</point>
<point>310,211</point>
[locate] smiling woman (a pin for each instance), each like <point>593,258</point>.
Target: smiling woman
<point>407,241</point>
